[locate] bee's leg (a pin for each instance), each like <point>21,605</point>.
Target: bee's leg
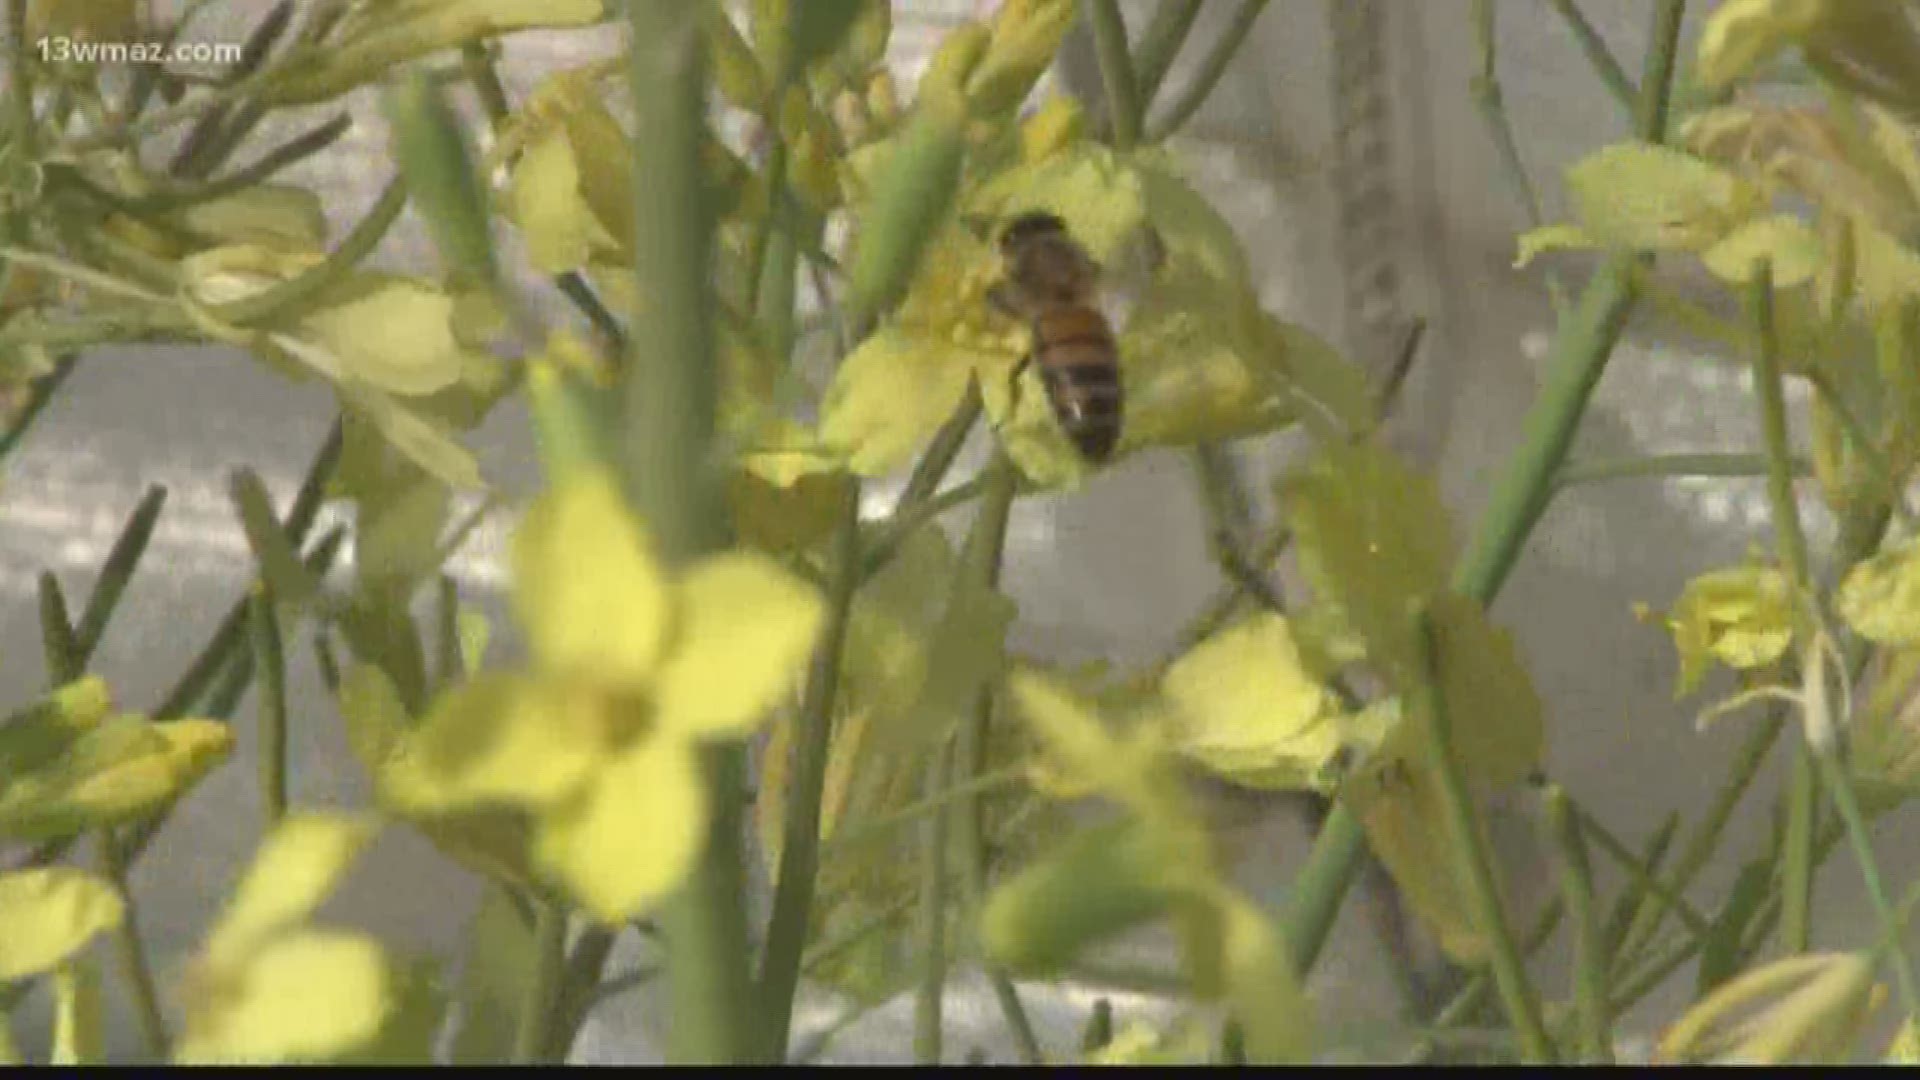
<point>1013,393</point>
<point>1004,300</point>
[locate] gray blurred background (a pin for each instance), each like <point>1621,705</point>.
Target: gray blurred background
<point>1344,146</point>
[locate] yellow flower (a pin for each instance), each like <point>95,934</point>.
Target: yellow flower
<point>1198,358</point>
<point>632,669</point>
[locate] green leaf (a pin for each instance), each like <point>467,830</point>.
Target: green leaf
<point>52,914</point>
<point>1498,735</point>
<point>370,42</point>
<point>1103,881</point>
<point>1880,596</point>
<point>1400,806</point>
<point>1373,536</point>
<point>493,980</point>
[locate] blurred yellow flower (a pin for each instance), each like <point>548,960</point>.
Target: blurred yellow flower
<point>631,670</point>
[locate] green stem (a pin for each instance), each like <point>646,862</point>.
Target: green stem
<point>1579,357</point>
<point>297,149</point>
<point>1159,44</point>
<point>800,839</point>
<point>1847,801</point>
<point>1798,873</point>
<point>1332,864</point>
<point>134,965</point>
<point>1509,969</point>
<point>1641,875</point>
<point>871,828</point>
<point>270,662</point>
<point>536,1007</point>
<point>1599,56</point>
<point>1467,1001</point>
<point>927,1001</point>
<point>886,543</point>
<point>937,460</point>
<point>668,452</point>
<point>298,294</point>
<point>1211,69</point>
<point>1589,962</point>
<point>580,989</point>
<point>1706,839</point>
<point>1116,71</point>
<point>1656,79</point>
<point>995,509</point>
<point>1669,466</point>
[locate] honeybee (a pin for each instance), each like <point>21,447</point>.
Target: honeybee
<point>1050,282</point>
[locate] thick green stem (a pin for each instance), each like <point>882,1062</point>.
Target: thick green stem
<point>671,463</point>
<point>1332,864</point>
<point>800,840</point>
<point>1509,968</point>
<point>1579,357</point>
<point>1116,71</point>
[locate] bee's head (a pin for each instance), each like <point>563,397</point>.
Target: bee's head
<point>1026,226</point>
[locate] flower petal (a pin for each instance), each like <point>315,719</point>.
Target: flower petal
<point>586,587</point>
<point>890,395</point>
<point>52,913</point>
<point>308,996</point>
<point>632,836</point>
<point>746,627</point>
<point>502,739</point>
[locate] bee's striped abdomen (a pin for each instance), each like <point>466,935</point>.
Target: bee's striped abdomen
<point>1080,368</point>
